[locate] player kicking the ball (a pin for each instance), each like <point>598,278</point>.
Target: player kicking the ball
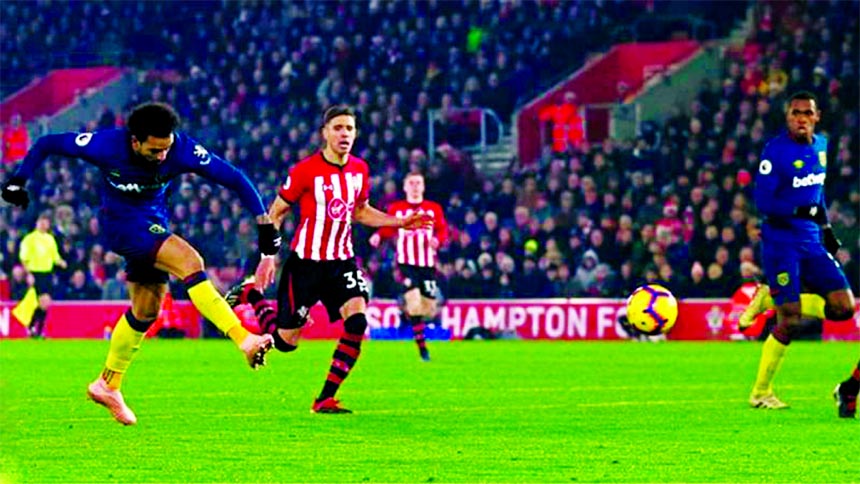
<point>138,163</point>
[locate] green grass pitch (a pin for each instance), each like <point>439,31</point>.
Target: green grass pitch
<point>502,411</point>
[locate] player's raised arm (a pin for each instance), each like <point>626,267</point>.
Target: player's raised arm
<point>218,170</point>
<point>384,232</point>
<point>366,214</point>
<point>74,145</point>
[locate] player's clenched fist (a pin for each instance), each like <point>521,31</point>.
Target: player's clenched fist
<point>15,193</point>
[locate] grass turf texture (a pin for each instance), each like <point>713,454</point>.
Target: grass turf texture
<point>504,411</point>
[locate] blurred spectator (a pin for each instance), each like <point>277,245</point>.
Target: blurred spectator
<point>16,140</point>
<point>81,288</point>
<point>531,282</point>
<point>696,287</point>
<point>565,123</point>
<point>563,284</point>
<point>716,283</point>
<point>115,288</point>
<point>585,275</point>
<point>465,283</point>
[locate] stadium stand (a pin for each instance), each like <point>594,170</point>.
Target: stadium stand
<point>249,79</point>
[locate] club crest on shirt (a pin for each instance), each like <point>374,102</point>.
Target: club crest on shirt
<point>822,158</point>
<point>83,139</point>
<point>339,209</point>
<point>782,278</point>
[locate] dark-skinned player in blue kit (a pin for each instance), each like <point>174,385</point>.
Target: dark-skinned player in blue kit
<point>798,242</point>
<point>138,164</point>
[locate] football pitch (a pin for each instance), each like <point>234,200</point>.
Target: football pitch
<point>482,411</point>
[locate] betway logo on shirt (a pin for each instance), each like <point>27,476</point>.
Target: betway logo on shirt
<point>128,187</point>
<point>808,180</point>
<point>135,187</point>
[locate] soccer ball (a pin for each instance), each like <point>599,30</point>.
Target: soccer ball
<point>652,309</point>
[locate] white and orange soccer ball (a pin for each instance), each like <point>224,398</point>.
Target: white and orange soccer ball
<point>652,309</point>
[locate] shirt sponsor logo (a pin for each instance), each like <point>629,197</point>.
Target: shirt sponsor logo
<point>338,209</point>
<point>809,180</point>
<point>136,187</point>
<point>127,187</point>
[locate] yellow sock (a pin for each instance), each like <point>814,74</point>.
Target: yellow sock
<point>772,354</point>
<point>812,305</point>
<point>237,334</point>
<point>124,343</point>
<point>213,307</point>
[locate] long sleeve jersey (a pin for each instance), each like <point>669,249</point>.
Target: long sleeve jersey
<point>135,186</point>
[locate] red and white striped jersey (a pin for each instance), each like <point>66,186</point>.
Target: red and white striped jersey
<point>413,246</point>
<point>327,195</point>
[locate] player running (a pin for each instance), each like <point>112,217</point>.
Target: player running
<point>331,190</point>
<point>789,192</point>
<point>416,255</point>
<point>138,163</point>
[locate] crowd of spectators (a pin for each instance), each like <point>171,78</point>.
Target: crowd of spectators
<point>250,78</point>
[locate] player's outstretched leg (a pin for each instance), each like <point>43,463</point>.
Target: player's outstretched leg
<point>845,394</point>
<point>211,305</point>
<point>344,358</point>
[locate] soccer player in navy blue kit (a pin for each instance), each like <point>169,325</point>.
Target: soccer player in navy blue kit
<point>798,243</point>
<point>138,164</point>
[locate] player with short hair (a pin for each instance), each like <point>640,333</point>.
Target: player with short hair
<point>846,394</point>
<point>39,254</point>
<point>330,188</point>
<point>138,163</point>
<point>416,255</point>
<point>789,192</point>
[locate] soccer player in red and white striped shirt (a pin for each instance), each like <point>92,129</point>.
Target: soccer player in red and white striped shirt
<point>330,188</point>
<point>416,254</point>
